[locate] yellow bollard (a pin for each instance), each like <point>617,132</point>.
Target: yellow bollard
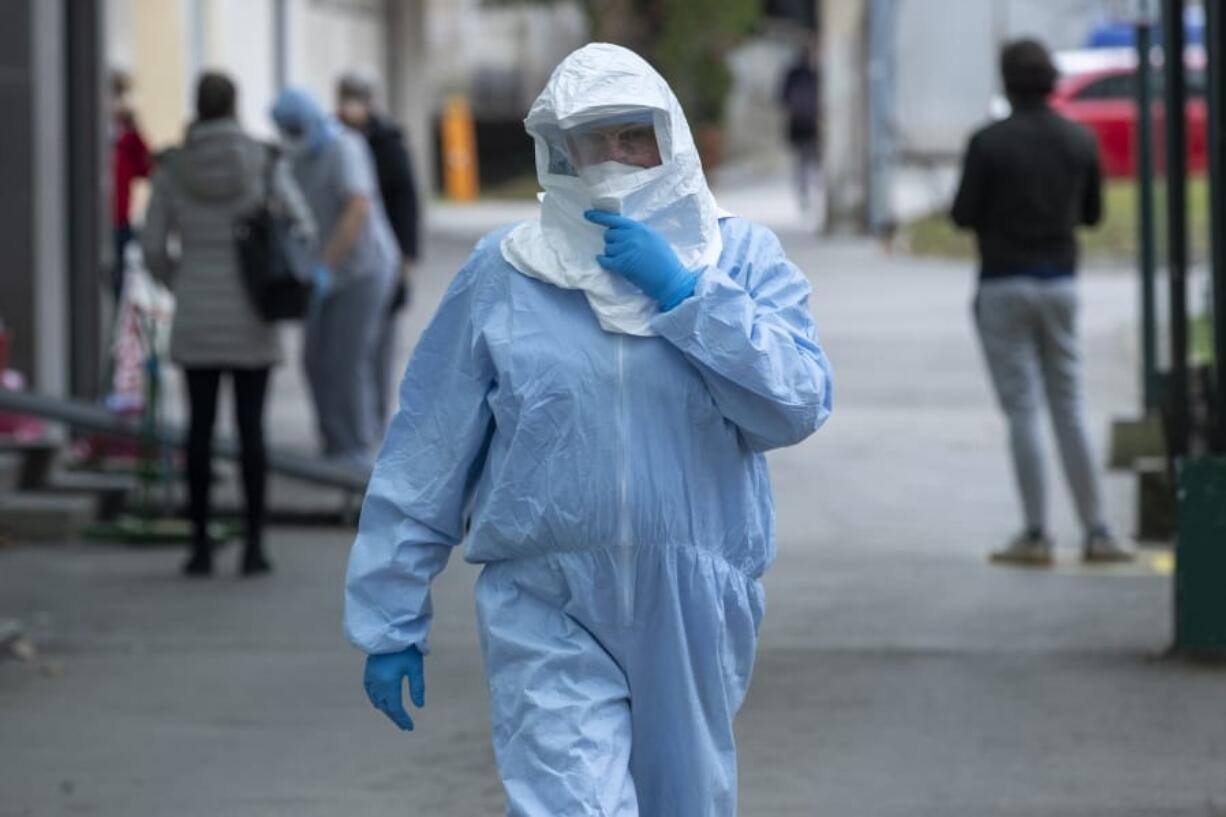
<point>459,150</point>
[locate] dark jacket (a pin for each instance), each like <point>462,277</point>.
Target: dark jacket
<point>799,95</point>
<point>1027,183</point>
<point>396,185</point>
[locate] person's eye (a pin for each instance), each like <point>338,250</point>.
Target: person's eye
<point>638,138</point>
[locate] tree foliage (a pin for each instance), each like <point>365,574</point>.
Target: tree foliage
<point>686,40</point>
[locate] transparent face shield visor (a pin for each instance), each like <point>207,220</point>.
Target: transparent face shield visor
<point>626,139</point>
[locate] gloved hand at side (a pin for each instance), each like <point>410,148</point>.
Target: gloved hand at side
<point>322,281</point>
<point>384,683</point>
<point>643,257</point>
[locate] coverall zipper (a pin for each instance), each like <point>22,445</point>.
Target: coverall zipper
<point>625,554</point>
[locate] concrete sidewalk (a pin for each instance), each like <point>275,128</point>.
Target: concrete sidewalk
<point>899,674</point>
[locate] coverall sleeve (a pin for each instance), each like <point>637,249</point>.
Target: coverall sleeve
<point>973,189</point>
<point>416,502</point>
<point>756,347</point>
<point>155,235</point>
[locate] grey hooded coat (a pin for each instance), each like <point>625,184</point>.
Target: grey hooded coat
<point>199,190</point>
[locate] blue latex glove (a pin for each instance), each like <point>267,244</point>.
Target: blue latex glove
<point>322,281</point>
<point>642,256</point>
<point>384,683</point>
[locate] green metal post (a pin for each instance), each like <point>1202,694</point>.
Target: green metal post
<point>1200,563</point>
<point>1200,559</point>
<point>1216,38</point>
<point>1145,212</point>
<point>1177,397</point>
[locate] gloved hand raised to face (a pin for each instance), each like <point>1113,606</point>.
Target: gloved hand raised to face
<point>384,683</point>
<point>642,256</point>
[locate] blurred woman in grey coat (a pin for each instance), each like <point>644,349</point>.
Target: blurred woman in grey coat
<point>199,190</point>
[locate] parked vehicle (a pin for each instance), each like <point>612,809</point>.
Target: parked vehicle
<point>1098,88</point>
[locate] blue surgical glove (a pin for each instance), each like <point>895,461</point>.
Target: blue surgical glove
<point>384,683</point>
<point>322,281</point>
<point>642,256</point>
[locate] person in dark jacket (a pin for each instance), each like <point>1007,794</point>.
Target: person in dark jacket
<point>394,168</point>
<point>799,94</point>
<point>1028,182</point>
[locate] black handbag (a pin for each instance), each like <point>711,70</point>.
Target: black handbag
<point>274,261</point>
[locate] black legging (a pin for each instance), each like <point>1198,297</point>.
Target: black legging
<point>250,389</point>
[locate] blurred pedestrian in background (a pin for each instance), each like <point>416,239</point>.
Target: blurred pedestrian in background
<point>394,170</point>
<point>799,94</point>
<point>130,160</point>
<point>200,189</point>
<point>598,390</point>
<point>1028,182</point>
<point>355,274</point>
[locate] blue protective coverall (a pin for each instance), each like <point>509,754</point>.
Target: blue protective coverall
<point>619,499</point>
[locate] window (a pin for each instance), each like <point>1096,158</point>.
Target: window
<point>1124,86</point>
<point>1114,87</point>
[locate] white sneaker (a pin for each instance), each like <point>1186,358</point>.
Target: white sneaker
<point>1027,549</point>
<point>1102,548</point>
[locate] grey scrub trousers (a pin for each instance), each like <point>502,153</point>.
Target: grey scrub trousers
<point>1028,328</point>
<point>342,365</point>
<point>342,354</point>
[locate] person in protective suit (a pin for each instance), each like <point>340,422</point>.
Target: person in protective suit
<point>594,398</point>
<point>354,275</point>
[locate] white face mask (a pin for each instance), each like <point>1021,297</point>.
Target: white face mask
<point>605,172</point>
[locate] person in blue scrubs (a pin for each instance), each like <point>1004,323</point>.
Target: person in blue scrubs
<point>354,275</point>
<point>589,411</point>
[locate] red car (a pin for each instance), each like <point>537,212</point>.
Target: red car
<point>1098,89</point>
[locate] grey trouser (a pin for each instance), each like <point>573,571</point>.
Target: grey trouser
<point>807,173</point>
<point>386,346</point>
<point>1028,328</point>
<point>341,361</point>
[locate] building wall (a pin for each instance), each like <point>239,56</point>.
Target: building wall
<point>512,49</point>
<point>942,77</point>
<point>150,39</point>
<point>240,34</point>
<point>17,191</point>
<point>34,281</point>
<point>49,176</point>
<point>329,37</point>
<point>947,62</point>
<point>166,43</point>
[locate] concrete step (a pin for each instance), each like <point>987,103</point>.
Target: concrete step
<point>37,458</point>
<point>109,491</point>
<point>38,516</point>
<point>10,470</point>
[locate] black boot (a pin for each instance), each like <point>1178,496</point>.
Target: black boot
<point>254,562</point>
<point>200,563</point>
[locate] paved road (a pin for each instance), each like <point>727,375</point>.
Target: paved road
<point>899,675</point>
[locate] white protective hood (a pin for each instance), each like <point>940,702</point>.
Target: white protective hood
<point>560,246</point>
